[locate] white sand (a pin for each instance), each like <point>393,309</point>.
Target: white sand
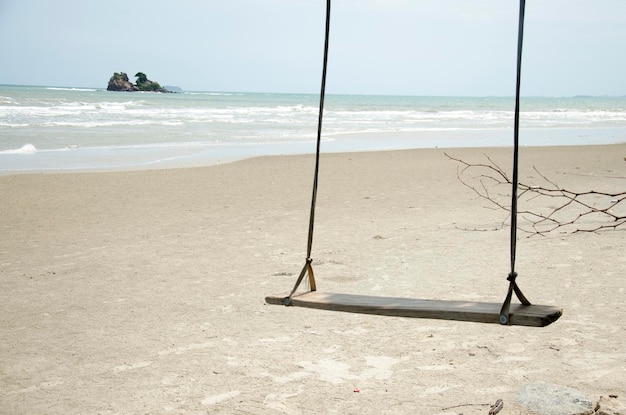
<point>143,292</point>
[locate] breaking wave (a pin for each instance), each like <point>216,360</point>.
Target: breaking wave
<point>25,149</point>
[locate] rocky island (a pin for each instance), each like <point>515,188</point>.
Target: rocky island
<point>119,82</point>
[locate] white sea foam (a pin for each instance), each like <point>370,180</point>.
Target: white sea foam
<point>14,125</point>
<point>55,88</point>
<point>4,100</point>
<point>25,149</point>
<point>96,124</point>
<point>215,94</point>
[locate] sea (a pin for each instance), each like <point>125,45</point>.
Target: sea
<point>54,129</point>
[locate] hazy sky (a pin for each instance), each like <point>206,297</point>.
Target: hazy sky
<point>408,47</point>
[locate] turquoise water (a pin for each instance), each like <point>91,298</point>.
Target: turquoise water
<point>49,128</point>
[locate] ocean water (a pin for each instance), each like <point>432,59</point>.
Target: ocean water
<point>57,129</point>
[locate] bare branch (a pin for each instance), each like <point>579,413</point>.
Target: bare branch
<point>547,207</point>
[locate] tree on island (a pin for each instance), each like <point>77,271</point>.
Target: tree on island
<point>144,84</point>
<point>141,78</point>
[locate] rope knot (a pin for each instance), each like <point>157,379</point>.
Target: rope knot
<point>309,260</point>
<point>512,276</point>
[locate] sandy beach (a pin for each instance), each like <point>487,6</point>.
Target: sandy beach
<point>143,292</point>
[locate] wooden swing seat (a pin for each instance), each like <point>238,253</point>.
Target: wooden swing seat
<point>478,312</point>
<point>506,313</point>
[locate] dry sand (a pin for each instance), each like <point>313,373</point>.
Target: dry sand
<point>143,292</point>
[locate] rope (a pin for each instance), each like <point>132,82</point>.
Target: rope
<point>513,287</point>
<point>504,312</point>
<point>307,267</point>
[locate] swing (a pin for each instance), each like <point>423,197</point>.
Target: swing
<point>523,314</point>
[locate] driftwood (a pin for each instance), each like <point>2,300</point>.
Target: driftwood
<point>544,207</point>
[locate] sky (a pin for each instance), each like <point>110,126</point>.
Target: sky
<point>386,47</point>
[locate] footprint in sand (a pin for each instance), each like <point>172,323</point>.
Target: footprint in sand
<point>186,348</point>
<point>125,367</point>
<point>333,371</point>
<point>215,399</point>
